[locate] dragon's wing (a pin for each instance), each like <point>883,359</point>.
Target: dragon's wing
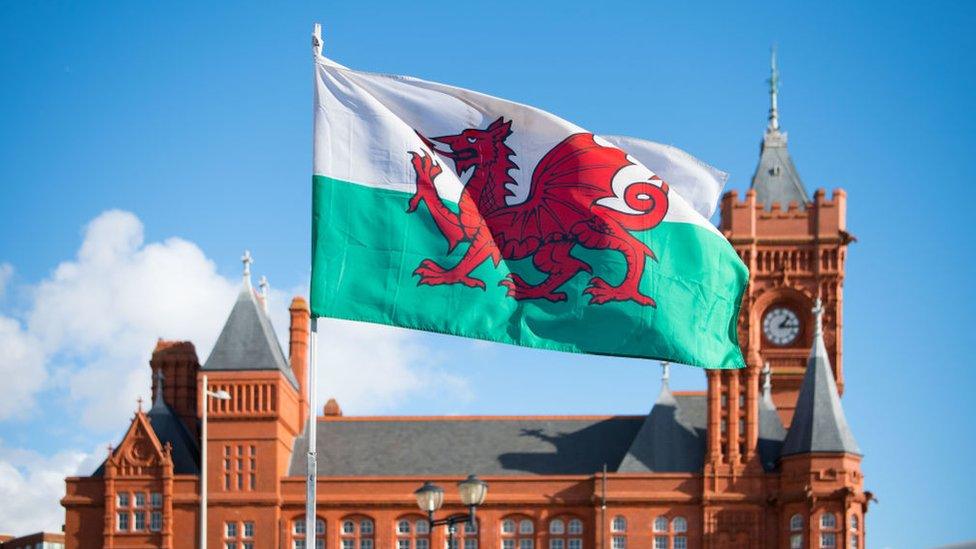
<point>567,181</point>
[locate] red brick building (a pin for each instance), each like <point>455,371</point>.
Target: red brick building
<point>755,461</point>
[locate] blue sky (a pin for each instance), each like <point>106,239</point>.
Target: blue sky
<point>196,121</point>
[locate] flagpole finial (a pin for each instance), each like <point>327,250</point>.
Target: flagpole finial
<point>665,371</point>
<point>818,312</point>
<point>767,378</point>
<point>773,91</point>
<point>247,260</point>
<point>263,285</point>
<point>159,388</point>
<point>317,39</point>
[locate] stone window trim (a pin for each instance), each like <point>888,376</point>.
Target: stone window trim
<point>358,531</point>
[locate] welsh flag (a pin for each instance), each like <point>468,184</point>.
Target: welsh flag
<point>447,210</point>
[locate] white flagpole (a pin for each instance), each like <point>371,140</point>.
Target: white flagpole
<point>311,468</point>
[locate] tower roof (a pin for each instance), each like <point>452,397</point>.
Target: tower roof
<point>771,430</point>
<point>666,442</point>
<point>248,340</point>
<point>169,428</point>
<point>818,422</point>
<point>776,178</point>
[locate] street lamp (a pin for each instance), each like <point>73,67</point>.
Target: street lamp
<point>219,394</point>
<point>430,497</point>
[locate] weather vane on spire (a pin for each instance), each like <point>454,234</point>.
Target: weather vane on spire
<point>773,91</point>
<point>246,260</point>
<point>818,312</point>
<point>665,371</point>
<point>263,285</point>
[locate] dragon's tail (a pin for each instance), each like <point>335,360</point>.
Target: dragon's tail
<point>647,198</point>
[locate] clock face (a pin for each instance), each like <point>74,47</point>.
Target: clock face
<point>781,326</point>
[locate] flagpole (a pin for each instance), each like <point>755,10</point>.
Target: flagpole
<point>312,465</point>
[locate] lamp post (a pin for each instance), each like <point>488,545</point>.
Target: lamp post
<point>207,395</point>
<point>430,497</point>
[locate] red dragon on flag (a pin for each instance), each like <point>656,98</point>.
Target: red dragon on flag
<point>563,209</point>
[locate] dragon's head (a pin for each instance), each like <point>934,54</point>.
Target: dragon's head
<point>474,147</point>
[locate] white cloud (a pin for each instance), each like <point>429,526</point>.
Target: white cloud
<point>90,327</point>
<point>6,273</point>
<point>32,485</point>
<point>21,368</point>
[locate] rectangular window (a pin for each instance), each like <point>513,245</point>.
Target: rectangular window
<point>253,481</point>
<point>122,499</point>
<point>156,500</point>
<point>619,542</point>
<point>140,499</point>
<point>556,544</point>
<point>403,544</point>
<point>248,545</point>
<point>240,481</point>
<point>660,542</point>
<point>140,521</point>
<point>366,544</point>
<point>319,543</point>
<point>526,543</point>
<point>680,542</point>
<point>298,544</point>
<point>854,542</point>
<point>248,529</point>
<point>422,544</point>
<point>123,522</point>
<point>230,529</point>
<point>828,540</point>
<point>796,541</point>
<point>156,521</point>
<point>470,544</point>
<point>348,544</point>
<point>508,544</point>
<point>575,543</point>
<point>230,545</point>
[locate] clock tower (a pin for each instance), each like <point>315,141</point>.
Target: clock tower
<point>795,247</point>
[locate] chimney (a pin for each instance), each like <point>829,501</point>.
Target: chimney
<point>298,351</point>
<point>178,363</point>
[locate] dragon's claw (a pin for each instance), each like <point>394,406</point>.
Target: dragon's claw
<point>602,292</point>
<point>432,274</point>
<point>520,289</point>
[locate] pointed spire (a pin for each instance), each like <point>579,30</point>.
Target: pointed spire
<point>776,179</point>
<point>818,423</point>
<point>773,92</point>
<point>263,285</point>
<point>247,260</point>
<point>158,401</point>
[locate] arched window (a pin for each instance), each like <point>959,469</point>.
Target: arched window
<point>619,528</point>
<point>357,533</point>
<point>828,531</point>
<point>796,523</point>
<point>796,527</point>
<point>518,533</point>
<point>299,537</point>
<point>855,539</point>
<point>661,524</point>
<point>679,529</point>
<point>566,533</point>
<point>412,532</point>
<point>465,536</point>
